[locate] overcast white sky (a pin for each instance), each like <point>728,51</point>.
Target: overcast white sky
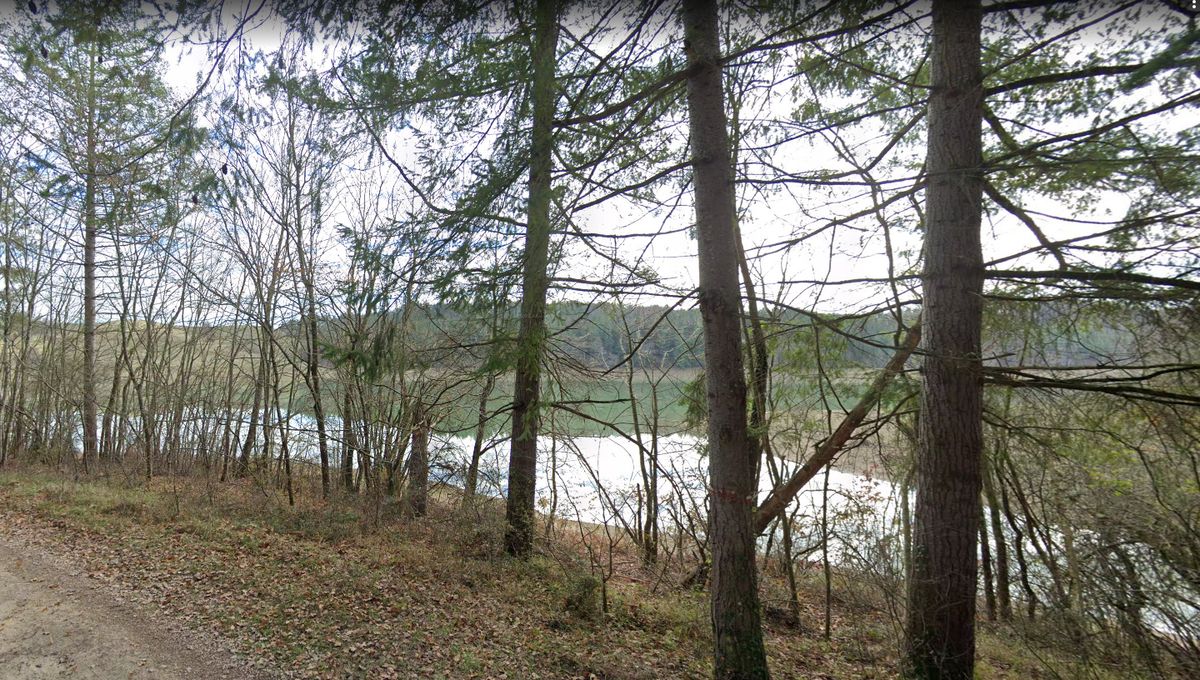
<point>849,252</point>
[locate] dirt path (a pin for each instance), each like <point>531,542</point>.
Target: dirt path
<point>55,622</point>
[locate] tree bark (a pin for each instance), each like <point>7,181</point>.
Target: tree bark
<point>416,490</point>
<point>522,461</point>
<point>108,446</point>
<point>90,233</point>
<point>737,627</point>
<point>940,641</point>
<point>313,368</point>
<point>1031,598</point>
<point>243,463</point>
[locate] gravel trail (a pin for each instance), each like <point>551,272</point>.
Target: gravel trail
<point>55,622</point>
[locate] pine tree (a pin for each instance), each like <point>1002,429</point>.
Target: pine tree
<point>737,627</point>
<point>110,126</point>
<point>942,585</point>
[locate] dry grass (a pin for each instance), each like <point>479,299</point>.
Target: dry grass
<point>350,589</point>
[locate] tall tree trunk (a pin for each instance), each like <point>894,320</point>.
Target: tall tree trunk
<point>285,455</point>
<point>227,436</point>
<point>363,442</point>
<point>108,442</point>
<point>9,397</point>
<point>308,275</point>
<point>90,232</point>
<point>1031,598</point>
<point>649,468</point>
<point>941,590</point>
<point>314,385</point>
<point>737,628</point>
<point>522,461</point>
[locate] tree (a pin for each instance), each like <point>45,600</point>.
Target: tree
<point>941,597</point>
<point>522,462</point>
<point>737,629</point>
<point>416,492</point>
<point>94,73</point>
<point>305,187</point>
<point>294,150</point>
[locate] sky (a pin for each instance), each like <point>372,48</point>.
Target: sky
<point>853,251</point>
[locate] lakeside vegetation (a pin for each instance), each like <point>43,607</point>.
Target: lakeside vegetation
<point>329,590</point>
<point>257,261</point>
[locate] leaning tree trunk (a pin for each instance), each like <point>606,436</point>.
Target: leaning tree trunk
<point>777,501</point>
<point>940,641</point>
<point>522,461</point>
<point>737,628</point>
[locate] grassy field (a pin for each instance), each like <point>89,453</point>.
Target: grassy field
<point>332,590</point>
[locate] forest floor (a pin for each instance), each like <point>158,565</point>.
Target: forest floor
<point>119,579</point>
<point>57,623</point>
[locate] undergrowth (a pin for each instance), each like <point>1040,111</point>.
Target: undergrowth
<point>348,588</point>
